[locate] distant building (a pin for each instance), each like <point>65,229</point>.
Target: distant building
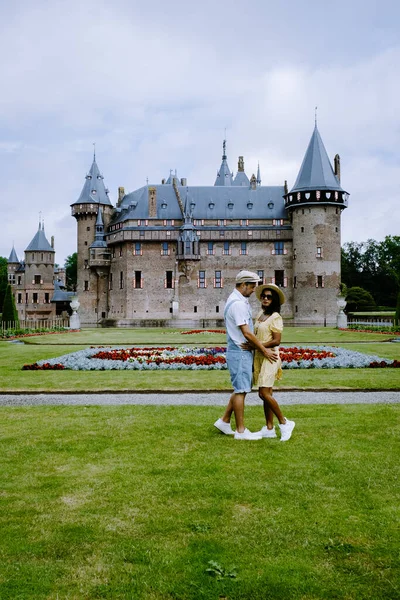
<point>38,286</point>
<point>168,253</point>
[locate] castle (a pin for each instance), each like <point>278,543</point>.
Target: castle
<point>167,254</point>
<point>37,283</point>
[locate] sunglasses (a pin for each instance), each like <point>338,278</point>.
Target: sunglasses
<point>266,296</point>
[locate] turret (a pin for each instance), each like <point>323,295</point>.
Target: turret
<point>315,204</point>
<point>224,175</point>
<point>92,211</point>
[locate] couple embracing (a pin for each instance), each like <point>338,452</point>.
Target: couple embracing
<point>259,370</point>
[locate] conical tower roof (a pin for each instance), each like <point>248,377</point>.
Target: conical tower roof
<point>39,242</point>
<point>316,172</point>
<point>224,175</point>
<point>94,189</point>
<point>13,258</point>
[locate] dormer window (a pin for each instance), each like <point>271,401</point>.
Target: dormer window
<point>94,192</point>
<point>88,177</point>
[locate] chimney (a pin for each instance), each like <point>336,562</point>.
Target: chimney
<point>285,187</point>
<point>337,166</point>
<point>163,181</point>
<point>121,194</point>
<point>183,181</point>
<point>241,164</point>
<point>52,241</point>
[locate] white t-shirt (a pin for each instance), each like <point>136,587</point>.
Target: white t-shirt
<point>239,313</point>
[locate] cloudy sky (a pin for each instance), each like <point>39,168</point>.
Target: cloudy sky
<point>156,83</point>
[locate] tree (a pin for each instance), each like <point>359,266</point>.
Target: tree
<point>359,299</point>
<point>3,279</point>
<point>10,313</point>
<point>71,271</point>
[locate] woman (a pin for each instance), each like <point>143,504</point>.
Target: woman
<point>268,329</point>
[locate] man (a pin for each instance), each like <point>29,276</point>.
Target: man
<point>239,330</point>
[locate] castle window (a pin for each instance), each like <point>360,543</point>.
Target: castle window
<point>141,234</point>
<point>41,257</point>
<point>86,286</point>
<point>195,309</point>
<point>198,222</point>
<point>221,222</point>
<point>46,298</point>
<point>37,280</point>
<point>294,254</point>
<point>277,222</point>
<point>218,280</point>
<point>302,229</point>
<point>113,252</point>
<point>217,309</point>
<point>202,281</point>
<point>121,280</point>
<point>296,308</point>
<point>137,251</point>
<point>243,248</point>
<point>280,280</point>
<point>295,281</point>
<point>87,228</point>
<point>120,250</point>
<point>336,229</point>
<point>319,252</point>
<point>168,222</point>
<point>227,250</point>
<point>165,251</point>
<point>261,276</point>
<point>169,281</point>
<point>26,298</point>
<point>85,243</point>
<point>19,300</point>
<point>319,281</point>
<point>34,297</point>
<point>210,248</point>
<point>142,222</point>
<point>33,257</point>
<point>110,282</point>
<point>19,280</point>
<point>244,222</point>
<point>168,234</point>
<point>279,248</point>
<point>137,280</point>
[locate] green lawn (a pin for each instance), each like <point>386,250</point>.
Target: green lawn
<point>14,356</point>
<point>137,502</point>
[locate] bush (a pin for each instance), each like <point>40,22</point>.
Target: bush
<point>10,313</point>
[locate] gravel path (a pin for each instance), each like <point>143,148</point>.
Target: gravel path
<point>197,398</point>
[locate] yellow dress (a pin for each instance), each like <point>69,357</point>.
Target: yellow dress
<point>266,372</point>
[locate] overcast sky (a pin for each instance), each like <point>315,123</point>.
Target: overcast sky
<point>155,84</point>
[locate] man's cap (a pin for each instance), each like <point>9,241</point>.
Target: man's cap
<point>270,286</point>
<point>247,277</point>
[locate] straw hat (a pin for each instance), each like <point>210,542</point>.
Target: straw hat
<point>270,286</point>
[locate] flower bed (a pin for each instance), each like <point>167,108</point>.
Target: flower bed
<point>143,358</point>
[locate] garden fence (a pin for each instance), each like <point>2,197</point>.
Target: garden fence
<point>34,324</point>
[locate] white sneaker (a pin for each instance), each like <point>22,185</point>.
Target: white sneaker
<point>224,427</point>
<point>286,430</point>
<point>267,433</point>
<point>247,435</point>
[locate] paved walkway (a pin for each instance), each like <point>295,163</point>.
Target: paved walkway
<point>197,398</point>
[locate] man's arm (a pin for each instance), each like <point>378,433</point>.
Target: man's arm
<point>250,337</point>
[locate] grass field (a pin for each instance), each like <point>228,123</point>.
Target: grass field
<point>152,503</point>
<point>14,356</point>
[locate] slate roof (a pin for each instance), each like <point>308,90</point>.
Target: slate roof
<point>60,293</point>
<point>316,172</point>
<point>206,202</point>
<point>39,242</point>
<point>13,258</point>
<point>94,190</point>
<point>99,241</point>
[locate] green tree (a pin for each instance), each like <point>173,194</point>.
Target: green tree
<point>3,280</point>
<point>71,271</point>
<point>10,313</point>
<point>359,299</point>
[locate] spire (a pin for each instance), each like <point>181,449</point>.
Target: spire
<point>39,242</point>
<point>99,241</point>
<point>94,190</point>
<point>258,175</point>
<point>13,258</point>
<point>224,176</point>
<point>316,171</point>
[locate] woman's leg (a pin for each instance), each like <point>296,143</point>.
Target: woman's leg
<point>271,407</point>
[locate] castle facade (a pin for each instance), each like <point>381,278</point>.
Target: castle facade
<point>167,254</point>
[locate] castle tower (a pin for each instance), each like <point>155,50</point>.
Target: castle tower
<point>12,265</point>
<point>92,284</point>
<point>224,176</point>
<point>315,204</point>
<point>39,279</point>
